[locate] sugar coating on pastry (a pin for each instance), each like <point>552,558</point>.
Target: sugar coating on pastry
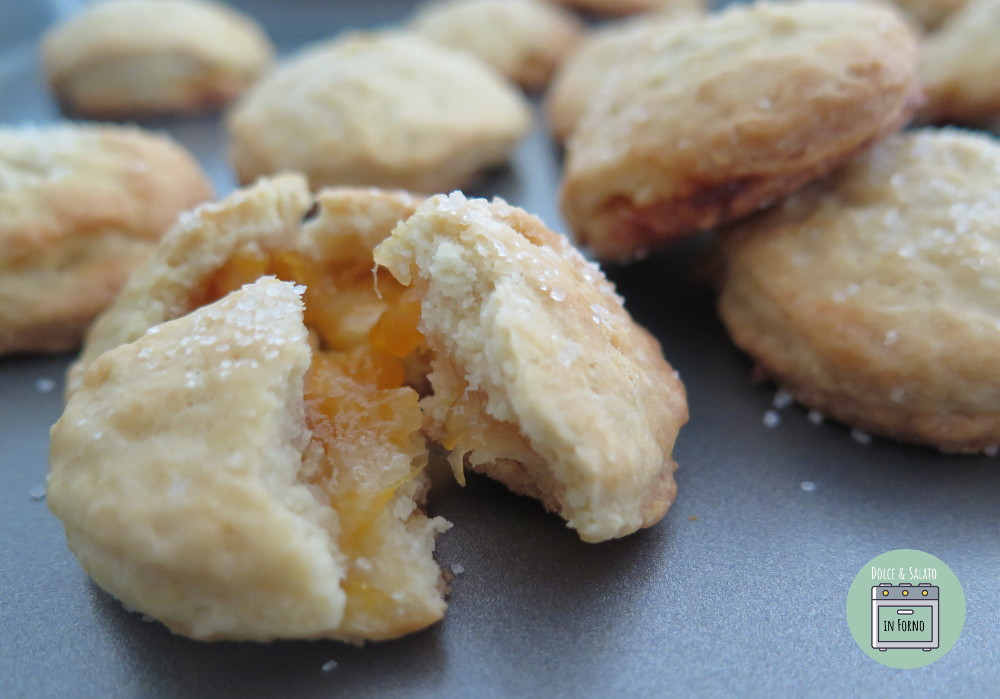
<point>872,296</point>
<point>524,40</point>
<point>960,66</point>
<point>597,57</point>
<point>133,58</point>
<point>386,110</point>
<point>625,7</point>
<point>219,475</point>
<point>540,378</point>
<point>725,115</point>
<point>80,207</point>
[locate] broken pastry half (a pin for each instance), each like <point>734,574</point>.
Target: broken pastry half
<point>232,481</point>
<point>478,328</point>
<point>539,377</point>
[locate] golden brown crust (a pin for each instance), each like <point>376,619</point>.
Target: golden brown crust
<point>82,206</point>
<point>386,110</point>
<point>541,379</point>
<point>871,297</point>
<point>960,65</point>
<point>524,40</point>
<point>759,100</point>
<point>129,58</point>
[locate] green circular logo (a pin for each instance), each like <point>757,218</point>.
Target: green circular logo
<point>906,608</point>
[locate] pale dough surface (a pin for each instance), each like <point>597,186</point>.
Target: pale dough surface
<point>184,473</point>
<point>133,58</point>
<point>384,110</point>
<point>872,296</point>
<point>81,206</point>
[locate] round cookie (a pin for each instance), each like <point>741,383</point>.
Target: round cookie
<point>725,115</point>
<point>131,58</point>
<point>388,110</point>
<point>960,66</point>
<point>544,382</point>
<point>524,40</point>
<point>224,477</point>
<point>598,56</point>
<point>80,208</point>
<point>627,7</point>
<point>872,296</point>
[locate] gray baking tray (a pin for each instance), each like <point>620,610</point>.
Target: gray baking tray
<point>741,588</point>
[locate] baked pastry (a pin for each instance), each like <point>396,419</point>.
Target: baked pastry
<point>545,383</point>
<point>81,207</point>
<point>626,7</point>
<point>130,58</point>
<point>524,40</point>
<point>960,66</point>
<point>598,56</point>
<point>930,14</point>
<point>871,296</point>
<point>221,476</point>
<point>364,571</point>
<point>539,378</point>
<point>387,110</point>
<point>725,115</point>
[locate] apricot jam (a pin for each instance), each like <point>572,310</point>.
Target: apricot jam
<point>341,304</point>
<point>360,413</point>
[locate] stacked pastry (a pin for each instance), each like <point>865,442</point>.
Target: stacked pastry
<point>86,203</point>
<point>865,288</point>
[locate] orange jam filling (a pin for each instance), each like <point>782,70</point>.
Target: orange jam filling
<point>341,303</point>
<point>360,413</point>
<point>357,408</point>
<point>368,426</point>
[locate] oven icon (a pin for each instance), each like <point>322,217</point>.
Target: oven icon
<point>905,616</point>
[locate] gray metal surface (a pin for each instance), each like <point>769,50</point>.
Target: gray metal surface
<point>741,588</point>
